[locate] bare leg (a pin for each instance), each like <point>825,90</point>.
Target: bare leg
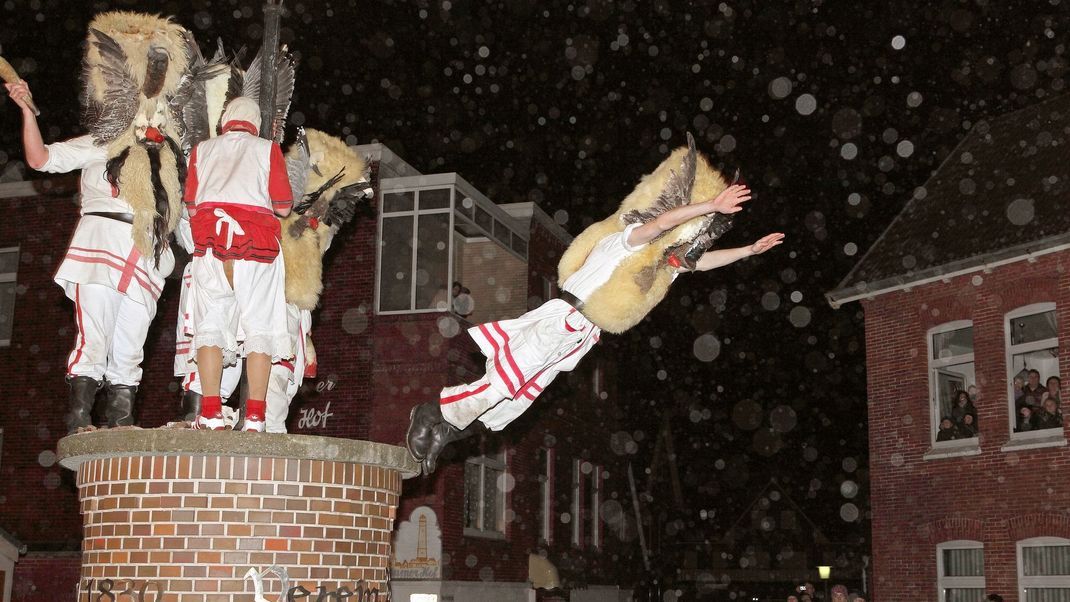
<point>258,366</point>
<point>210,369</point>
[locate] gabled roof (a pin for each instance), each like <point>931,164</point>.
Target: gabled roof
<point>739,526</point>
<point>1002,195</point>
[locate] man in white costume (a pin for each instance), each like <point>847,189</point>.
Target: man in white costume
<point>113,286</point>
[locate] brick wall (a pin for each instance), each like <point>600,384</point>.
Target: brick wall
<point>46,577</point>
<point>998,497</point>
<point>193,525</point>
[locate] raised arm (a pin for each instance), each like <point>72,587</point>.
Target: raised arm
<point>715,259</point>
<point>728,201</point>
<point>32,144</point>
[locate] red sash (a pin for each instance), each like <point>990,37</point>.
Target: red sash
<point>234,232</point>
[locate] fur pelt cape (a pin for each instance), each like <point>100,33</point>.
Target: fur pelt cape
<point>642,280</point>
<point>303,245</point>
<point>133,63</point>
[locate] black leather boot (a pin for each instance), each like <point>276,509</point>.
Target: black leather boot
<point>422,419</point>
<point>191,406</point>
<point>442,434</point>
<point>83,396</point>
<point>119,409</point>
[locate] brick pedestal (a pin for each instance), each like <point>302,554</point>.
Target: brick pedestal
<point>191,516</point>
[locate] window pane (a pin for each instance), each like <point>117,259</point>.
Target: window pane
<point>471,495</point>
<point>964,595</point>
<point>952,343</point>
<point>492,506</point>
<point>395,264</point>
<point>1044,361</point>
<point>1047,594</point>
<point>1037,327</point>
<point>432,262</point>
<point>501,232</point>
<point>1046,561</point>
<point>397,201</point>
<point>9,261</point>
<point>964,563</point>
<point>7,309</point>
<point>483,219</point>
<point>438,198</point>
<point>520,245</point>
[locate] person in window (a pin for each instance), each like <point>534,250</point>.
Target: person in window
<point>1033,392</point>
<point>1025,419</point>
<point>1019,391</point>
<point>462,304</point>
<point>974,393</point>
<point>1054,386</point>
<point>947,431</point>
<point>1049,416</point>
<point>962,406</point>
<point>968,428</point>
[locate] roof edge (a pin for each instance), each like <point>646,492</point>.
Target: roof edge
<point>1025,251</point>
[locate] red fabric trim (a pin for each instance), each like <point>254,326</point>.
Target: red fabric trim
<point>81,329</point>
<point>145,285</point>
<point>509,355</point>
<point>137,267</point>
<point>279,190</point>
<point>128,269</point>
<point>497,360</point>
<point>240,125</point>
<point>533,383</point>
<point>189,195</point>
<point>460,396</point>
<point>286,364</point>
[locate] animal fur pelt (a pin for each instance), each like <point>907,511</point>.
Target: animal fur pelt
<point>641,281</point>
<point>335,178</point>
<point>132,66</point>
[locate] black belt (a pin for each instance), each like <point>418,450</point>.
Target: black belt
<point>127,218</point>
<point>572,300</point>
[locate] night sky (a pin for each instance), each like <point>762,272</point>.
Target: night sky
<point>834,111</point>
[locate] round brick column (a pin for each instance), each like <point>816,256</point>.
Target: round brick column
<point>195,516</point>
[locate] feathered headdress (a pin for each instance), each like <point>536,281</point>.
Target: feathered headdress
<point>641,281</point>
<point>133,64</point>
<point>329,179</point>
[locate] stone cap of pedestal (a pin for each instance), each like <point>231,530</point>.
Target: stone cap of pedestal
<point>78,448</point>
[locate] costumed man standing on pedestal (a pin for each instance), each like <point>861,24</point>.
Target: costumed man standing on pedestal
<point>118,257</point>
<point>237,184</point>
<point>611,276</point>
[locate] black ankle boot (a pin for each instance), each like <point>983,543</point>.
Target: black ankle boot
<point>83,396</point>
<point>120,405</point>
<point>422,419</point>
<point>442,434</point>
<point>191,406</point>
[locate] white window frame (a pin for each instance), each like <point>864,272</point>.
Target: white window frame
<point>546,497</point>
<point>414,214</point>
<point>577,503</point>
<point>496,462</point>
<point>943,582</point>
<point>1024,582</point>
<point>1012,350</point>
<point>6,277</point>
<point>596,507</point>
<point>938,363</point>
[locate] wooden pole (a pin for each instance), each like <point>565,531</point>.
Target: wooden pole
<point>269,56</point>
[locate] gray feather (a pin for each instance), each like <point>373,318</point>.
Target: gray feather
<point>297,167</point>
<point>676,193</point>
<point>189,105</point>
<point>251,79</point>
<point>120,94</point>
<point>286,68</point>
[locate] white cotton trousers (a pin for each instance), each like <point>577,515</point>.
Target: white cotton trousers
<point>110,342</point>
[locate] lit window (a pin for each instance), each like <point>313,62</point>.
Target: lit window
<point>960,570</point>
<point>484,496</point>
<point>546,495</point>
<point>9,267</point>
<point>596,507</point>
<point>1033,360</point>
<point>1044,569</point>
<point>951,374</point>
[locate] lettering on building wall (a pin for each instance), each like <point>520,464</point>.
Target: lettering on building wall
<point>417,547</point>
<point>313,418</point>
<point>130,590</point>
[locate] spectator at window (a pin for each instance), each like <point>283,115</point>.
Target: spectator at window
<point>948,432</point>
<point>974,393</point>
<point>463,305</point>
<point>1033,392</point>
<point>962,406</point>
<point>1054,388</point>
<point>1025,419</point>
<point>1049,416</point>
<point>1019,391</point>
<point>968,428</point>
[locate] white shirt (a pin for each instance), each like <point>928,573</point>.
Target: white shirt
<point>606,255</point>
<point>81,153</point>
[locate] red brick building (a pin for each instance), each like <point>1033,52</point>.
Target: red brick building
<point>549,492</point>
<point>967,289</point>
